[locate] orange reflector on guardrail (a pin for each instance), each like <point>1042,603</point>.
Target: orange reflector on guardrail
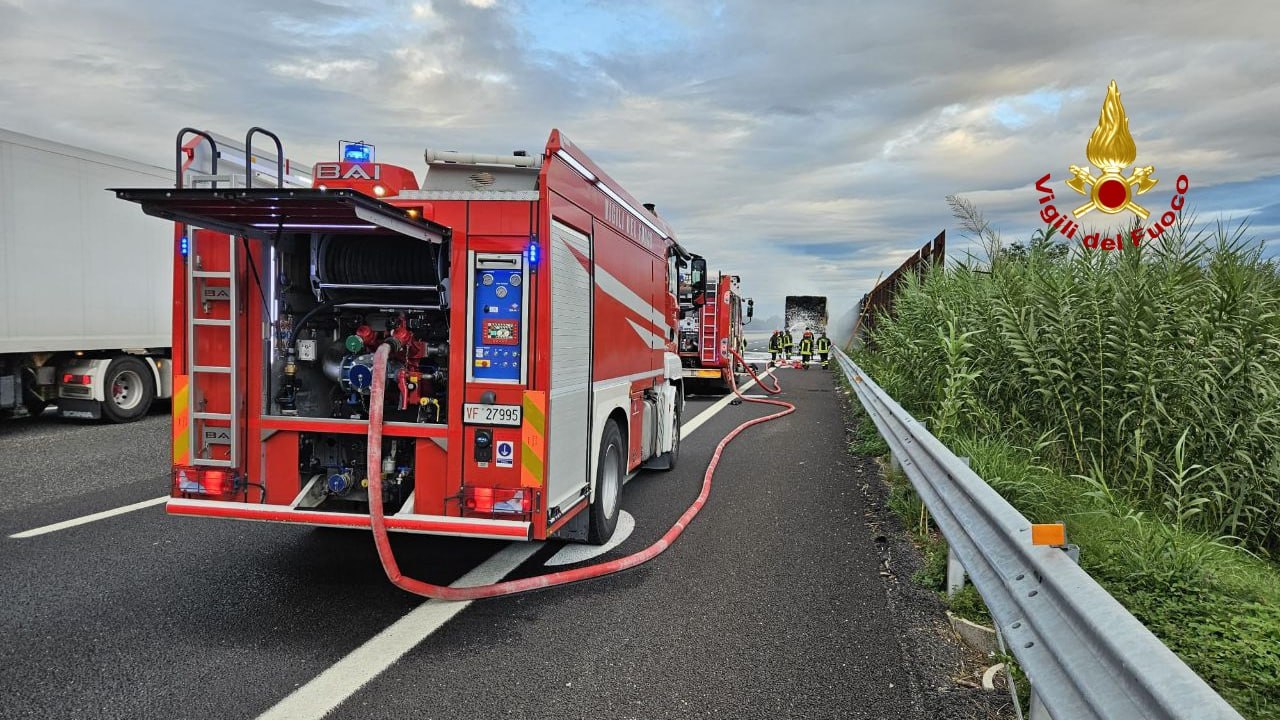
<point>1048,534</point>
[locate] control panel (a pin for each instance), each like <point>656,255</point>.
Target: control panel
<point>498,292</point>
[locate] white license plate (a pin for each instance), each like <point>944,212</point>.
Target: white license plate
<point>481,414</point>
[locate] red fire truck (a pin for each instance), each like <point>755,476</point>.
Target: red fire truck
<point>529,305</point>
<point>707,334</point>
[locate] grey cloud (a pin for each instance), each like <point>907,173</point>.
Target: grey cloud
<point>815,137</point>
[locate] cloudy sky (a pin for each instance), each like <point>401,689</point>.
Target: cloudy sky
<point>807,145</point>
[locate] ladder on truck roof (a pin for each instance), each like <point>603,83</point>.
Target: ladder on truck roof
<point>710,322</point>
<point>207,159</point>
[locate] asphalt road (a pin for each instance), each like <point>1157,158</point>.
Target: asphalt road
<point>770,605</point>
<point>46,459</point>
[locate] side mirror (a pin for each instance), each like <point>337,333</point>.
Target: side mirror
<point>751,310</point>
<point>698,279</point>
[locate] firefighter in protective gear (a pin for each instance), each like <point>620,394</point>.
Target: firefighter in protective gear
<point>787,344</point>
<point>823,348</point>
<point>775,345</point>
<point>806,349</point>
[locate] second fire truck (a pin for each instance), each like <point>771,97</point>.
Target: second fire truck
<point>709,333</point>
<point>529,304</point>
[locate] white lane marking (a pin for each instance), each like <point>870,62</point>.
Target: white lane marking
<point>341,680</point>
<point>707,414</point>
<point>576,553</point>
<point>90,518</point>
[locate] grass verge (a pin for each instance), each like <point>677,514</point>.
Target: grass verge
<point>1133,395</point>
<point>1214,605</point>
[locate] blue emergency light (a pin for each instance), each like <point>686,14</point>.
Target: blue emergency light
<point>356,152</point>
<point>531,252</point>
<point>184,246</point>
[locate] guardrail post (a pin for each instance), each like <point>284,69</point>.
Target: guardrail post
<point>894,465</point>
<point>1073,552</point>
<point>955,571</point>
<point>1038,711</point>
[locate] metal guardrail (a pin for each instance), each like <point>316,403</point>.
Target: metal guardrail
<point>1084,654</point>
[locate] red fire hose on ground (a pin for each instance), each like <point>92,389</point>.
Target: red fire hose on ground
<point>563,577</point>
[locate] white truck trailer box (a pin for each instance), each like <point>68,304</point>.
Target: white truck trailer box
<point>85,283</point>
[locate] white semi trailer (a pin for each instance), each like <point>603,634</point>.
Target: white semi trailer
<point>85,285</point>
<point>86,281</point>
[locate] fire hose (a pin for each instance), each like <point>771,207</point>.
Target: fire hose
<point>509,587</point>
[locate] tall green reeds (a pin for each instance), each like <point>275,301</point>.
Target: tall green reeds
<point>1153,372</point>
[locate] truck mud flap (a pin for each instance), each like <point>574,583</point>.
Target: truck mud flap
<point>80,409</point>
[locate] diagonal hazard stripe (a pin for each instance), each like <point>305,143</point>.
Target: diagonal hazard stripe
<point>533,439</point>
<point>181,422</point>
<point>531,471</point>
<point>535,413</point>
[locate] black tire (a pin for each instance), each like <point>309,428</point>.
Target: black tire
<point>610,471</point>
<point>672,456</point>
<point>128,389</point>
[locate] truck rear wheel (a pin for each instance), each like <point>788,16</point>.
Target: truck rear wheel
<point>609,474</point>
<point>128,389</point>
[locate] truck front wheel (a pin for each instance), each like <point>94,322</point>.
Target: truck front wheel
<point>609,474</point>
<point>128,389</point>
